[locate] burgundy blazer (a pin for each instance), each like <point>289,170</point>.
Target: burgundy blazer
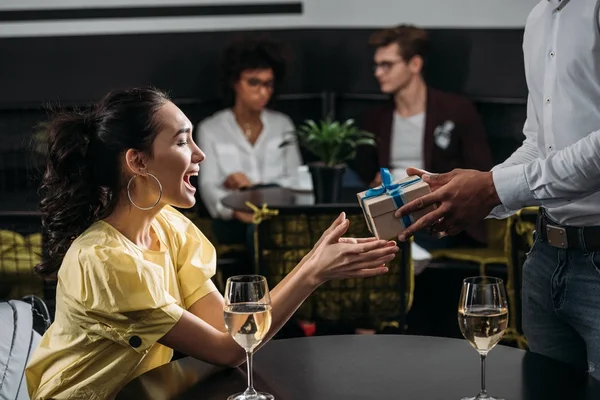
<point>454,137</point>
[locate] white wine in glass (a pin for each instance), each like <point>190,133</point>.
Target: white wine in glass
<point>247,315</point>
<point>483,319</point>
<point>248,323</point>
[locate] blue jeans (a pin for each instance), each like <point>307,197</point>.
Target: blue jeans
<point>561,305</point>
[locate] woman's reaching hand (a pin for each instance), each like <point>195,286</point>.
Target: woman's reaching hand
<point>334,257</point>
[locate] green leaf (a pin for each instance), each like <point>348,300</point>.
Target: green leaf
<point>333,142</point>
<point>365,142</point>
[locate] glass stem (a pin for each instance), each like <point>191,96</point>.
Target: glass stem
<point>250,390</point>
<point>483,393</point>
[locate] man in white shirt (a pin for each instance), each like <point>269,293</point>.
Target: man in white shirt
<point>557,168</point>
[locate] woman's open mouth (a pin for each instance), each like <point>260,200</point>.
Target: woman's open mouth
<point>186,180</point>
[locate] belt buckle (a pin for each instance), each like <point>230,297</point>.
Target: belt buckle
<point>557,236</point>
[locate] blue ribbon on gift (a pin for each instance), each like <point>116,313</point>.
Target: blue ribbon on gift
<point>394,190</point>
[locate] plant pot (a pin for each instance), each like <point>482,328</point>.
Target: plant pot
<point>327,182</point>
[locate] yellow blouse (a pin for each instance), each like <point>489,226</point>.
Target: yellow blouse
<point>114,300</point>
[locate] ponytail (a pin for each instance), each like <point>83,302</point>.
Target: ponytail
<point>83,180</point>
<point>72,199</point>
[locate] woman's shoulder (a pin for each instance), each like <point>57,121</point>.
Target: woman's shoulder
<point>98,239</point>
<point>97,235</point>
<point>97,254</point>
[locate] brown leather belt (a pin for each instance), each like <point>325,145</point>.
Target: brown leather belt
<point>585,238</point>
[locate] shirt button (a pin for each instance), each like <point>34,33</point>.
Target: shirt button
<point>135,341</point>
<point>552,53</point>
<point>548,100</point>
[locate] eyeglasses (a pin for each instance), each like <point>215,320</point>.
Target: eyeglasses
<point>386,65</point>
<point>256,84</point>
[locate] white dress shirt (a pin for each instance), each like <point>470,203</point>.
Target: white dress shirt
<point>228,151</point>
<point>558,165</point>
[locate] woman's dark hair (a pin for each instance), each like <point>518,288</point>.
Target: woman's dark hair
<point>83,175</point>
<point>248,54</point>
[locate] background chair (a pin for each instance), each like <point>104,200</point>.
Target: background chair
<point>521,227</point>
<point>493,254</point>
<point>380,303</point>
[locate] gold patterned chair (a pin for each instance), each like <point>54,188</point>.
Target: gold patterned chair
<point>519,241</point>
<point>493,254</point>
<point>380,303</point>
<point>20,252</point>
<point>509,240</point>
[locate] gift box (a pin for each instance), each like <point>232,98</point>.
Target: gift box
<point>379,204</point>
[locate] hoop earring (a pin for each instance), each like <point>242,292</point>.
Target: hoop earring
<point>157,200</point>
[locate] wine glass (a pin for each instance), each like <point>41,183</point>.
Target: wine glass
<point>248,319</point>
<point>483,318</point>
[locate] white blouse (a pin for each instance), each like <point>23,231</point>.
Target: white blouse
<point>228,151</point>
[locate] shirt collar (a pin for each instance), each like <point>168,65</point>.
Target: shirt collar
<point>559,4</point>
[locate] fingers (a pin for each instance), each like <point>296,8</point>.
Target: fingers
<point>422,223</point>
<point>432,179</point>
<point>336,222</point>
<point>416,171</point>
<point>365,247</point>
<point>340,218</point>
<point>418,204</point>
<point>366,273</point>
<point>233,182</point>
<point>374,257</point>
<point>437,181</point>
<point>456,229</point>
<point>369,264</point>
<point>443,224</point>
<point>352,240</point>
<point>337,232</point>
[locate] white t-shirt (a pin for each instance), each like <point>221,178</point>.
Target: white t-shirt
<point>228,151</point>
<point>406,146</point>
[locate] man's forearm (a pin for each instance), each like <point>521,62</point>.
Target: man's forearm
<point>559,179</point>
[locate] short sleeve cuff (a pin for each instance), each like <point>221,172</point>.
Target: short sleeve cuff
<point>202,291</point>
<point>512,187</point>
<point>144,334</point>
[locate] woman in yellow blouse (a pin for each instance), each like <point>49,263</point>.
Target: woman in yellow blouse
<point>134,275</point>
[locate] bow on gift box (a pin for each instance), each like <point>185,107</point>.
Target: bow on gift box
<point>394,190</point>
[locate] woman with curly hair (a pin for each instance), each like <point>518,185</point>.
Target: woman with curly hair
<point>246,135</point>
<point>134,274</point>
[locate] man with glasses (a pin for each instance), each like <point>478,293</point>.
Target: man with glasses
<point>421,126</point>
<point>558,169</point>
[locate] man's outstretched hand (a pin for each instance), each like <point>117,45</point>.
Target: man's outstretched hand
<point>462,197</point>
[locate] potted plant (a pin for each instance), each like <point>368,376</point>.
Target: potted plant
<point>333,143</point>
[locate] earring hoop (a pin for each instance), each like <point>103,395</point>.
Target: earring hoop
<point>157,200</point>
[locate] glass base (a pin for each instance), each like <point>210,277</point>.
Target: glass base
<point>485,397</point>
<point>259,396</point>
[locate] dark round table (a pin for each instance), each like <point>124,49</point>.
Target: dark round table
<point>287,200</point>
<point>371,367</point>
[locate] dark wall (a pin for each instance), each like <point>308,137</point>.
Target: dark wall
<point>478,62</point>
<point>331,72</point>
